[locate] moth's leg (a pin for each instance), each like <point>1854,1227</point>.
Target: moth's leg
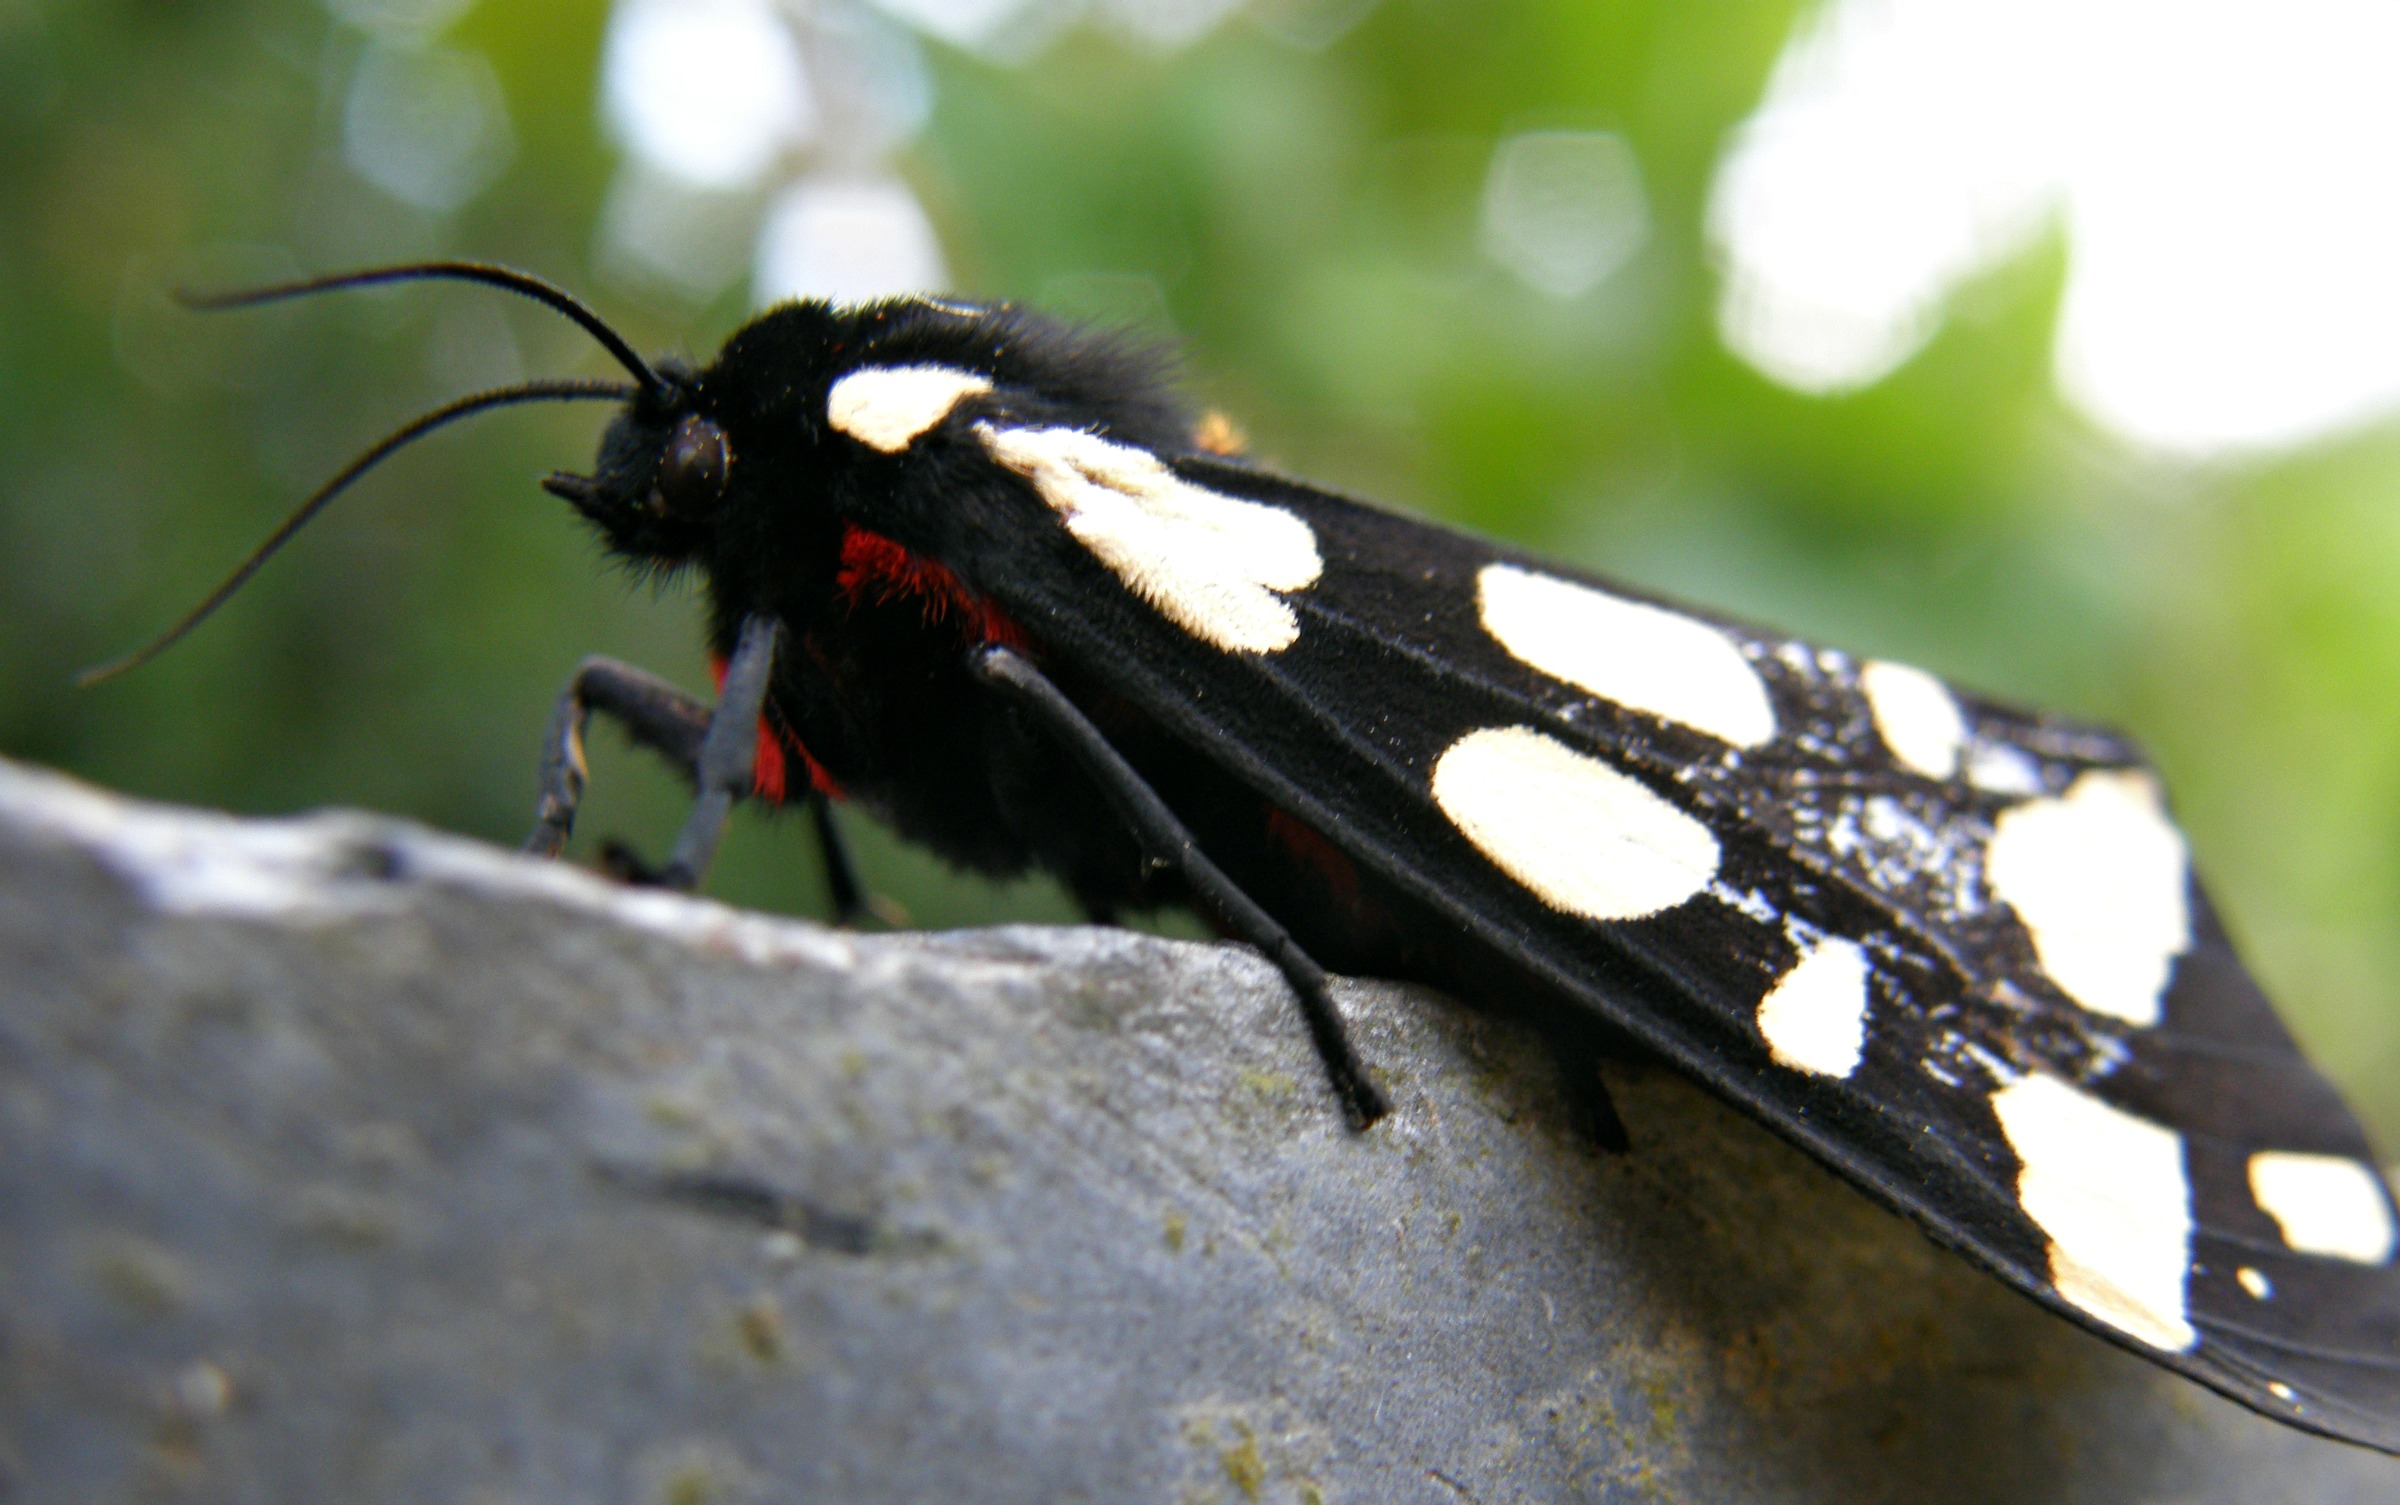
<point>654,713</point>
<point>849,897</point>
<point>712,746</point>
<point>728,750</point>
<point>1168,843</point>
<point>845,893</point>
<point>1592,1108</point>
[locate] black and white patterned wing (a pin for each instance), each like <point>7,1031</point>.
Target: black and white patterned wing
<point>1955,951</point>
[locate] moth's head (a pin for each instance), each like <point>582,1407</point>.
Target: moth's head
<point>683,456</point>
<point>665,468</point>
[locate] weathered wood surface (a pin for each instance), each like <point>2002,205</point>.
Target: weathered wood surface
<point>341,1161</point>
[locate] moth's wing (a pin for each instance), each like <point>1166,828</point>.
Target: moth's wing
<point>2104,1167</point>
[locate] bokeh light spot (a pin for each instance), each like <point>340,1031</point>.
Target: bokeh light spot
<point>712,91</point>
<point>1564,209</point>
<point>663,233</point>
<point>965,23</point>
<point>401,22</point>
<point>2220,169</point>
<point>847,239</point>
<point>430,128</point>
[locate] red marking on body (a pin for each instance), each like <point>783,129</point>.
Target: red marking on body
<point>767,778</point>
<point>876,571</point>
<point>1320,856</point>
<point>770,777</point>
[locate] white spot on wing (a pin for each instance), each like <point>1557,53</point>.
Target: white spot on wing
<point>1586,838</point>
<point>2255,1282</point>
<point>1998,769</point>
<point>1210,562</point>
<point>887,407</point>
<point>2325,1204</point>
<point>1639,656</point>
<point>1916,717</point>
<point>1815,1017</point>
<point>2109,1190</point>
<point>2098,878</point>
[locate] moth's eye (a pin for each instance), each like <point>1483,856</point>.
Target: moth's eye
<point>691,473</point>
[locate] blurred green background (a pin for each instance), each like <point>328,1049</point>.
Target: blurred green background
<point>1300,195</point>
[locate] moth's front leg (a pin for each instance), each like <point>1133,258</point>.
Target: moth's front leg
<point>713,746</point>
<point>1166,841</point>
<point>654,713</point>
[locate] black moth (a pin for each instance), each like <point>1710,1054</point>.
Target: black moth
<point>982,576</point>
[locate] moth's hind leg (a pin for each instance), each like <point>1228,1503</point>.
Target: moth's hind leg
<point>1168,844</point>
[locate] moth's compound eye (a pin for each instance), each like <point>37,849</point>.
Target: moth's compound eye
<point>691,473</point>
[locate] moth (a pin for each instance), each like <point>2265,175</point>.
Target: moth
<point>984,577</point>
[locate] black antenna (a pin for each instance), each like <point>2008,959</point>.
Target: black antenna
<point>415,429</point>
<point>523,284</point>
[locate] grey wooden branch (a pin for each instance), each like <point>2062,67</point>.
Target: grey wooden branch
<point>343,1161</point>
